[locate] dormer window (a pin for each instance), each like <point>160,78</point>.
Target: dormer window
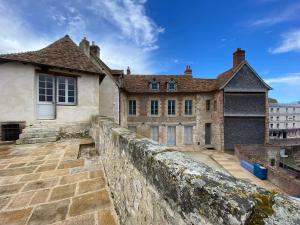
<point>154,85</point>
<point>172,85</point>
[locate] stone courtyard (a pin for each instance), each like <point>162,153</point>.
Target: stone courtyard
<point>47,184</point>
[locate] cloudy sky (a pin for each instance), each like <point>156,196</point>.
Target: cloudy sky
<point>158,36</point>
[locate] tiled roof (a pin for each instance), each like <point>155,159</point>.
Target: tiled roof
<point>184,83</point>
<point>62,54</point>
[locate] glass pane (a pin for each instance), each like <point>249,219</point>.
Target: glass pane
<point>41,98</point>
<point>49,98</point>
<point>41,91</point>
<point>50,85</point>
<point>41,77</point>
<point>71,81</point>
<point>41,84</point>
<point>49,92</point>
<point>71,99</point>
<point>61,86</point>
<point>71,93</point>
<point>61,92</point>
<point>61,99</point>
<point>71,87</point>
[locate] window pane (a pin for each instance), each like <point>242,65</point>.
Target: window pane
<point>49,92</point>
<point>49,98</point>
<point>71,93</point>
<point>71,99</point>
<point>61,86</point>
<point>61,92</point>
<point>42,77</point>
<point>61,99</point>
<point>41,98</point>
<point>41,84</point>
<point>42,91</point>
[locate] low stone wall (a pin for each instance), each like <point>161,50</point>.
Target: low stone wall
<point>152,184</point>
<point>276,175</point>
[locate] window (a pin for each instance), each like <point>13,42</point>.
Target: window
<point>155,133</point>
<point>46,88</point>
<point>277,125</point>
<point>286,109</point>
<point>272,162</point>
<point>294,118</point>
<point>171,107</point>
<point>172,85</point>
<point>277,118</point>
<point>188,135</point>
<point>294,109</point>
<point>132,107</point>
<point>293,125</point>
<point>207,105</point>
<point>286,125</point>
<point>188,107</point>
<point>277,109</point>
<point>132,128</point>
<point>154,107</point>
<point>154,85</point>
<point>271,118</point>
<point>66,88</point>
<point>271,125</point>
<point>287,117</point>
<point>271,109</point>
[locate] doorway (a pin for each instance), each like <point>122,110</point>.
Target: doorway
<point>46,97</point>
<point>208,133</point>
<point>171,135</point>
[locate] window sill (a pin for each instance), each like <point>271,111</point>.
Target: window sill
<point>65,104</point>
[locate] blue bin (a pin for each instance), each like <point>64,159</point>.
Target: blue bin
<point>247,165</point>
<point>260,171</point>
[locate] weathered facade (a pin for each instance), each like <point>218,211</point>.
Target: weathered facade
<point>206,112</point>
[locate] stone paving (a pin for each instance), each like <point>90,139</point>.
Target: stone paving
<point>46,184</point>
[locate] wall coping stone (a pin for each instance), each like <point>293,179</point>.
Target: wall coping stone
<point>196,191</point>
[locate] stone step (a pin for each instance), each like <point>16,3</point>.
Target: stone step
<point>36,140</point>
<point>40,130</point>
<point>38,135</point>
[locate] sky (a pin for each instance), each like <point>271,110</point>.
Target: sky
<point>162,37</point>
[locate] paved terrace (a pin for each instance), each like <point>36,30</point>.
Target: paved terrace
<point>47,184</point>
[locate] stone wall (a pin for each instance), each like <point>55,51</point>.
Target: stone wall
<point>263,154</point>
<point>151,184</point>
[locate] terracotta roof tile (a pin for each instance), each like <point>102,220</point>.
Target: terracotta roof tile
<point>63,54</point>
<point>140,83</point>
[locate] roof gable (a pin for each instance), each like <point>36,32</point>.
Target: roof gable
<point>244,78</point>
<point>62,54</point>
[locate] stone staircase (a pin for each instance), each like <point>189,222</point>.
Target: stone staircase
<point>38,134</point>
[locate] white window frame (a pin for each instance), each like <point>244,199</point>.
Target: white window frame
<point>188,108</point>
<point>66,102</point>
<point>172,82</point>
<point>152,132</point>
<point>154,106</point>
<point>130,107</point>
<point>151,85</point>
<point>171,106</point>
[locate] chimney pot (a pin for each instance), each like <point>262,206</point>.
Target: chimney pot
<point>128,71</point>
<point>188,71</point>
<point>84,45</point>
<point>95,49</point>
<point>238,56</point>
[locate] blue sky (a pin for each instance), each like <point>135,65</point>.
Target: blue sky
<point>158,36</point>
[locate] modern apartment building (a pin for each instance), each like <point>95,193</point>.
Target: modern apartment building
<point>284,120</point>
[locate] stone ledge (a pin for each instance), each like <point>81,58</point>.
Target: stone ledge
<point>196,192</point>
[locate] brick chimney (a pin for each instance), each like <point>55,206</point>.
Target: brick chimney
<point>188,71</point>
<point>128,71</point>
<point>84,45</point>
<point>94,49</point>
<point>238,57</point>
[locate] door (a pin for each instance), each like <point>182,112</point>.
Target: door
<point>171,135</point>
<point>46,97</point>
<point>208,133</point>
<point>188,135</point>
<point>155,133</point>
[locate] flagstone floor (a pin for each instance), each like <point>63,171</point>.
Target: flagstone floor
<point>47,184</point>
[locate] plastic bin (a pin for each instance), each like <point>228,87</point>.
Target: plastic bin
<point>260,171</point>
<point>247,165</point>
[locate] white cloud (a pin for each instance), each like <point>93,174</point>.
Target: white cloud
<point>130,18</point>
<point>15,34</point>
<point>126,35</point>
<point>290,42</point>
<point>291,12</point>
<point>285,87</point>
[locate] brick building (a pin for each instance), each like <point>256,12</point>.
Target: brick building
<point>183,110</point>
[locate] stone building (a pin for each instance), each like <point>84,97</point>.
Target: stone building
<point>183,110</point>
<point>284,120</point>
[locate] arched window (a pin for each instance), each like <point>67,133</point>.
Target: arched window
<point>154,85</point>
<point>172,85</point>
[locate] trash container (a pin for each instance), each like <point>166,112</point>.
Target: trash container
<point>260,171</point>
<point>247,165</point>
